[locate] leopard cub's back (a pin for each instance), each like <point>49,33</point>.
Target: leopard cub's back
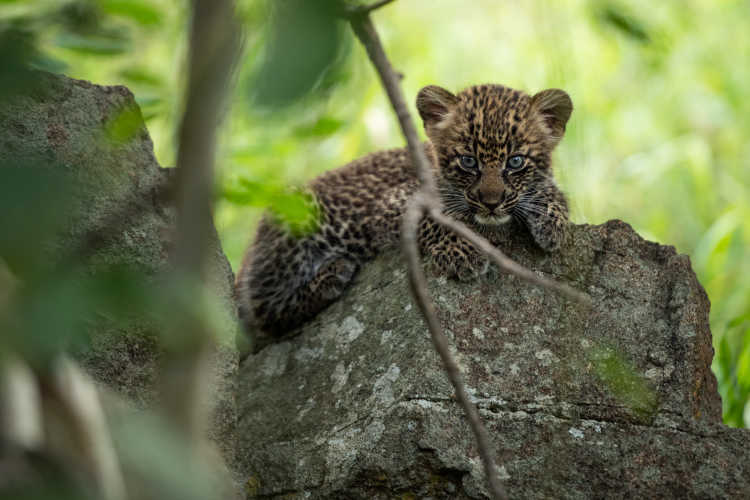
<point>285,279</point>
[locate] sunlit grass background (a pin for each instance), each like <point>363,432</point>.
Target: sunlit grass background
<point>660,135</point>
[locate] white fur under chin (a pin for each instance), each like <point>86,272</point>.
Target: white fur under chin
<point>492,220</point>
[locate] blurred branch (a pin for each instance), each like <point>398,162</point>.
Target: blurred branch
<point>80,418</point>
<point>57,412</point>
<point>214,47</point>
<point>20,405</point>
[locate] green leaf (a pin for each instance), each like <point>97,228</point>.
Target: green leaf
<point>18,49</point>
<point>304,41</point>
<point>617,17</point>
<point>295,209</point>
<point>142,76</point>
<point>124,125</point>
<point>34,200</point>
<point>92,44</point>
<point>144,13</point>
<point>743,368</point>
<point>321,128</point>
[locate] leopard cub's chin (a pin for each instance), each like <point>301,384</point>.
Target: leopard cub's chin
<point>492,220</point>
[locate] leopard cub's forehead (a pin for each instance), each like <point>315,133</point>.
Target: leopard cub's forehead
<point>491,114</point>
<point>493,97</point>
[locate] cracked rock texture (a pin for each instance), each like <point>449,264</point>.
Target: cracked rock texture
<point>614,402</point>
<point>119,211</point>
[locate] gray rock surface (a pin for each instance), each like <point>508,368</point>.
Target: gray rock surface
<point>614,402</point>
<point>119,211</point>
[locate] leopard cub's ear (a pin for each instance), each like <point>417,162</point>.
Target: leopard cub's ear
<point>434,104</point>
<point>555,107</point>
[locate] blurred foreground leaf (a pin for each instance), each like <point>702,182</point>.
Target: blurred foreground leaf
<point>34,201</point>
<point>93,44</point>
<point>304,40</point>
<point>17,51</point>
<point>296,209</point>
<point>618,17</point>
<point>144,13</point>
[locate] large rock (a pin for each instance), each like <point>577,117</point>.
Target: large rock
<point>96,135</point>
<point>616,401</point>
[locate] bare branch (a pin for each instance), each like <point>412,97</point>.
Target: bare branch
<point>80,421</point>
<point>425,199</point>
<point>414,213</point>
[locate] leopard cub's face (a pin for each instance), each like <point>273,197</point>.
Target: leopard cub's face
<point>493,147</point>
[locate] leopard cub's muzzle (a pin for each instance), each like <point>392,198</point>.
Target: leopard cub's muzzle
<point>490,199</point>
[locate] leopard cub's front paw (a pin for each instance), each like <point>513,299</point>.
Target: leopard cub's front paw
<point>549,232</point>
<point>458,264</point>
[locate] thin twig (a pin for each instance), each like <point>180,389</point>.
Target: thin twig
<point>424,200</point>
<point>414,213</point>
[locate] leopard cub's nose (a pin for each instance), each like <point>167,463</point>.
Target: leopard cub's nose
<point>491,206</point>
<point>492,201</point>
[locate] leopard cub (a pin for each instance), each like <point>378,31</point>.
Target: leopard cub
<point>490,148</point>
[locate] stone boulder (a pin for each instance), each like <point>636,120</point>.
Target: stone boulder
<point>96,136</point>
<point>614,402</point>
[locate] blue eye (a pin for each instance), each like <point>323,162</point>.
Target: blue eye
<point>468,161</point>
<point>515,162</point>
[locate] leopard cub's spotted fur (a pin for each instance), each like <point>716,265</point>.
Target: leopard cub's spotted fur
<point>490,148</point>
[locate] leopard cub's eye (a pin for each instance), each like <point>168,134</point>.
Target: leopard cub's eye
<point>515,162</point>
<point>468,161</point>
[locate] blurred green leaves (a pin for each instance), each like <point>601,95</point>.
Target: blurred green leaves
<point>304,40</point>
<point>296,209</point>
<point>732,367</point>
<point>619,18</point>
<point>18,52</point>
<point>93,44</point>
<point>144,13</point>
<point>34,198</point>
<point>53,298</point>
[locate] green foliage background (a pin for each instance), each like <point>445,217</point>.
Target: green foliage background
<point>660,135</point>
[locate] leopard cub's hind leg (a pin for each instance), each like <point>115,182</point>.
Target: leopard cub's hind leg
<point>331,280</point>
